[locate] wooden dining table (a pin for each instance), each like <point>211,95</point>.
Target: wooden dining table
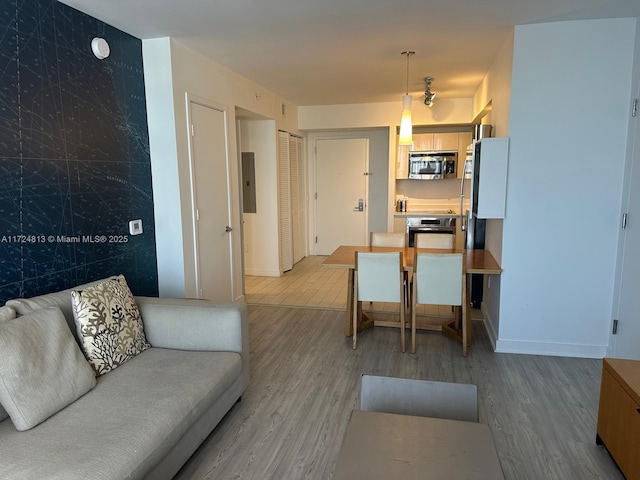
<point>475,262</point>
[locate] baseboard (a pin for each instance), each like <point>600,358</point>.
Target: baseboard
<point>539,348</point>
<point>551,349</point>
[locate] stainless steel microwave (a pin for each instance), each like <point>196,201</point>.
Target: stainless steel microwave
<point>433,165</point>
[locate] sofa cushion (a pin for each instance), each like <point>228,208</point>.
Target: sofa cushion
<point>42,369</point>
<point>108,324</point>
<point>61,299</point>
<point>127,423</point>
<point>6,313</point>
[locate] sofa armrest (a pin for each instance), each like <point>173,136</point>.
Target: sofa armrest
<point>185,324</point>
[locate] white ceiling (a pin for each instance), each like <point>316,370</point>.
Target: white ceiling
<point>321,52</point>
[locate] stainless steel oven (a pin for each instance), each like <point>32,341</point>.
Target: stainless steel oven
<point>434,224</point>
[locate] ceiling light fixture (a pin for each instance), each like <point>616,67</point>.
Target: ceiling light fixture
<point>100,48</point>
<point>428,94</point>
<point>405,121</point>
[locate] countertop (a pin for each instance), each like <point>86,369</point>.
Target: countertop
<point>427,213</point>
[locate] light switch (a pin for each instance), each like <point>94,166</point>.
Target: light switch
<point>135,227</point>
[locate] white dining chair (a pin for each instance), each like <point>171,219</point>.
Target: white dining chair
<point>387,239</point>
<point>378,277</point>
<point>438,279</point>
<point>434,240</point>
<point>392,239</point>
<point>422,398</point>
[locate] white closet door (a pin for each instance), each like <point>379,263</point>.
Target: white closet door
<point>284,202</point>
<point>297,197</point>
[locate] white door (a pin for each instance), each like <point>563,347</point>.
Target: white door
<point>284,202</point>
<point>341,186</point>
<point>297,198</point>
<point>212,215</point>
<point>627,338</point>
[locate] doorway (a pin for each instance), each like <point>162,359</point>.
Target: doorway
<point>210,184</point>
<point>625,340</point>
<point>341,193</point>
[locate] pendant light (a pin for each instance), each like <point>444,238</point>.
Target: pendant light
<point>405,121</point>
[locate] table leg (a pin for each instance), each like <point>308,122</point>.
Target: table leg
<point>466,316</point>
<point>348,326</point>
<point>364,321</point>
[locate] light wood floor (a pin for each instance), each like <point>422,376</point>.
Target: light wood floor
<point>308,284</point>
<point>314,285</point>
<point>304,384</point>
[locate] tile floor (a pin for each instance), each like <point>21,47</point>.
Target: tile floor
<point>312,284</point>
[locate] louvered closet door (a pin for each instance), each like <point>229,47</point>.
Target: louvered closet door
<point>297,197</point>
<point>284,202</point>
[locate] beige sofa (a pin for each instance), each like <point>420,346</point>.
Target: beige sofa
<point>145,418</point>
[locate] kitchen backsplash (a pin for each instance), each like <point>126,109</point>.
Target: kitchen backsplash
<point>429,195</point>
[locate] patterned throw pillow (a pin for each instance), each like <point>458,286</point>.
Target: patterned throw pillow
<point>109,324</point>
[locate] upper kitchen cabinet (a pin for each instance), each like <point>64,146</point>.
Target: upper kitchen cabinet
<point>464,140</point>
<point>441,141</point>
<point>402,162</point>
<point>435,141</point>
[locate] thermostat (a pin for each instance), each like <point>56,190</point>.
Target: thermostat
<point>135,227</point>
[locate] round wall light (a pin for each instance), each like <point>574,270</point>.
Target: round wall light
<point>100,48</point>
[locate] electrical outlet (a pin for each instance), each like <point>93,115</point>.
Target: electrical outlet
<point>135,227</point>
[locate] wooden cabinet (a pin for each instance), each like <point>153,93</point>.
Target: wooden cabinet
<point>445,141</point>
<point>435,141</point>
<point>448,141</point>
<point>619,414</point>
<point>402,162</point>
<point>464,140</point>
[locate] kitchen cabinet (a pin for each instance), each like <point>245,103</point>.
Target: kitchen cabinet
<point>464,140</point>
<point>435,141</point>
<point>619,414</point>
<point>402,162</point>
<point>449,141</point>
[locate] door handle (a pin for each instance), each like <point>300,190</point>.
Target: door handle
<point>228,229</point>
<point>360,207</point>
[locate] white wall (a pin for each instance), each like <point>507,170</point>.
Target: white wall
<point>164,167</point>
<point>180,71</point>
<point>493,96</point>
<point>368,115</point>
<point>568,128</point>
<point>261,252</point>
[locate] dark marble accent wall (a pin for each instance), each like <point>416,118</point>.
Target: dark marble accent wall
<point>74,154</point>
